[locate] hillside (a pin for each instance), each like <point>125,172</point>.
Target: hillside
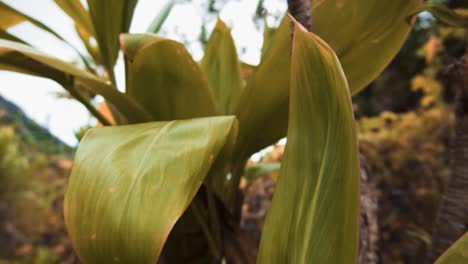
<point>31,133</point>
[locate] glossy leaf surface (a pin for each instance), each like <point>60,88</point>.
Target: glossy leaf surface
<point>164,79</point>
<point>457,253</point>
<point>315,211</point>
<point>130,184</point>
<point>222,67</point>
<point>24,59</point>
<point>365,34</point>
<point>264,102</point>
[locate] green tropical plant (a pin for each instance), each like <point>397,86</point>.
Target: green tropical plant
<point>170,167</point>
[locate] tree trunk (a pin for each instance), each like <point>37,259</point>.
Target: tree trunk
<point>301,11</point>
<point>452,217</point>
<point>368,225</point>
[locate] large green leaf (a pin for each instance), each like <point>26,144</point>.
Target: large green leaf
<point>24,59</point>
<point>315,211</point>
<point>457,253</point>
<point>263,106</point>
<point>110,18</point>
<point>130,184</point>
<point>164,79</point>
<point>222,66</point>
<point>365,34</point>
<point>268,34</point>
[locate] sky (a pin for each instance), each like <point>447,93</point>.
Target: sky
<point>38,96</point>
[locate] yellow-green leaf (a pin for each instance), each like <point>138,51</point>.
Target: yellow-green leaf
<point>87,38</point>
<point>5,35</point>
<point>77,12</point>
<point>443,13</point>
<point>130,184</point>
<point>268,34</point>
<point>261,169</point>
<point>222,66</point>
<point>25,59</point>
<point>457,253</point>
<point>83,24</point>
<point>10,17</point>
<point>164,79</point>
<point>110,18</point>
<point>263,105</point>
<point>315,211</point>
<point>365,34</point>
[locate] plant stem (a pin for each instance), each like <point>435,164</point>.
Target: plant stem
<point>195,209</point>
<point>214,217</point>
<point>68,85</point>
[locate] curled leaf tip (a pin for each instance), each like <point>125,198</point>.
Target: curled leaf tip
<point>122,37</point>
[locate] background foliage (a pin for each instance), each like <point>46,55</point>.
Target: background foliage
<point>404,121</point>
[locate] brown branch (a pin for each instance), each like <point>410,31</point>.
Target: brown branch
<point>452,217</point>
<point>301,11</point>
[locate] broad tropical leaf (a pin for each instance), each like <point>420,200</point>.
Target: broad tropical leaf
<point>365,34</point>
<point>161,17</point>
<point>268,34</point>
<point>110,18</point>
<point>222,66</point>
<point>443,13</point>
<point>264,102</point>
<point>315,211</point>
<point>24,59</point>
<point>457,253</point>
<point>164,79</point>
<point>130,184</point>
